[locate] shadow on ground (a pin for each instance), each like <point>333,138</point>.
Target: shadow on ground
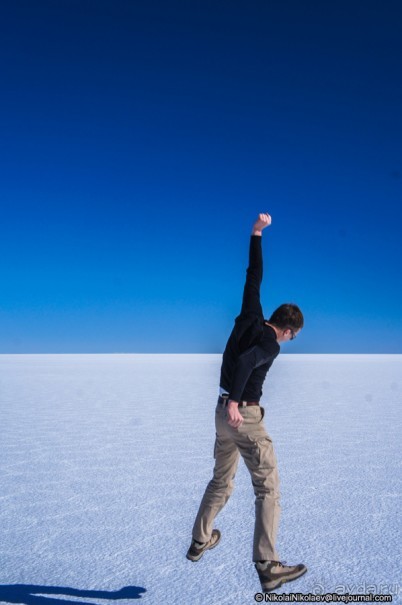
<point>30,594</point>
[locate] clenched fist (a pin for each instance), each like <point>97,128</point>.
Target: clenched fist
<point>264,220</point>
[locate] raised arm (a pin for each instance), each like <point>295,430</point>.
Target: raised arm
<point>251,304</point>
<point>251,295</point>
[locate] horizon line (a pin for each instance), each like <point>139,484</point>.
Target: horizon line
<point>160,353</point>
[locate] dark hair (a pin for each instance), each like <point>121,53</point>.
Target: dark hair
<point>287,316</point>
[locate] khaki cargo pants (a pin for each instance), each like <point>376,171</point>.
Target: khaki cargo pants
<point>254,444</point>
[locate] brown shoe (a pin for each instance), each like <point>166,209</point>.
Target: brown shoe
<point>273,574</point>
<point>196,550</point>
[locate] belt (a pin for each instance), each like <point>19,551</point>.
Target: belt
<point>223,400</point>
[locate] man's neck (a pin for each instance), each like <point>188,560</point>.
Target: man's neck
<point>274,329</point>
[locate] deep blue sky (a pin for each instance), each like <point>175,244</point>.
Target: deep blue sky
<point>139,141</point>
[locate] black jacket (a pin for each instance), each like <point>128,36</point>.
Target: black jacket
<point>252,345</point>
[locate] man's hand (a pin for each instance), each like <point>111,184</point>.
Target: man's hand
<point>264,220</point>
<point>235,419</point>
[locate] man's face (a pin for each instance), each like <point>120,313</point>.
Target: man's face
<point>288,334</point>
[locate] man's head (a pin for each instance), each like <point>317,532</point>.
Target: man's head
<point>287,321</point>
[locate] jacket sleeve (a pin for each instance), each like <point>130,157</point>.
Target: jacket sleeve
<point>251,295</point>
<point>246,363</point>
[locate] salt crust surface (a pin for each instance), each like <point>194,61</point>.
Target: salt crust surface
<point>104,460</point>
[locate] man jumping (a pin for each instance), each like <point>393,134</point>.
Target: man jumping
<point>250,351</point>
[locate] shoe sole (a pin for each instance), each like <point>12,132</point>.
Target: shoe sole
<point>196,558</point>
<point>277,583</point>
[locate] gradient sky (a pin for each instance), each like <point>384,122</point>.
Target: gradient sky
<point>139,141</point>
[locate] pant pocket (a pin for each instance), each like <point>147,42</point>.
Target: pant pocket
<point>262,413</point>
<point>215,445</point>
<point>267,456</point>
<point>262,453</point>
